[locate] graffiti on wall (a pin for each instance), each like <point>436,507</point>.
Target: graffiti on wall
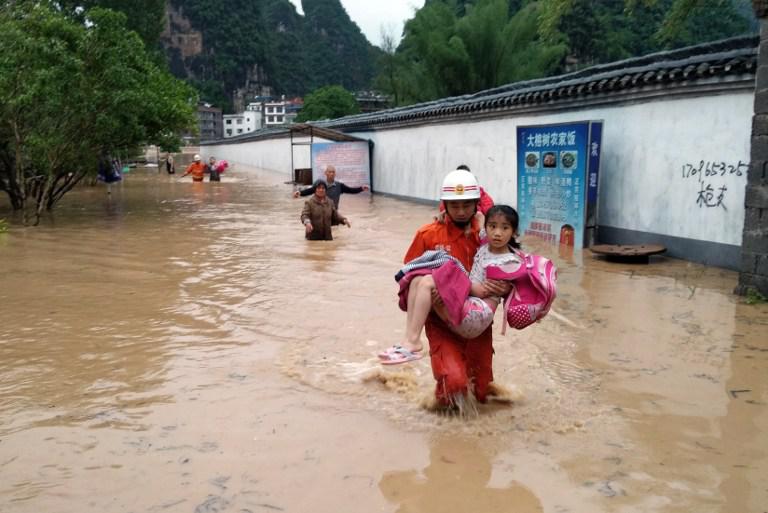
<point>711,177</point>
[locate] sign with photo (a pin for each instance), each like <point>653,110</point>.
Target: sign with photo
<point>351,160</point>
<point>557,181</point>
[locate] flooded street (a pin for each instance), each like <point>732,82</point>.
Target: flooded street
<point>179,347</point>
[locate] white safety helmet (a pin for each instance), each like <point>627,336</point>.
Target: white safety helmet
<point>196,158</point>
<point>460,185</point>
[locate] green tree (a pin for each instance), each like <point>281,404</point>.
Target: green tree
<point>328,102</point>
<point>432,66</point>
<point>145,17</point>
<point>529,55</point>
<point>445,54</point>
<point>456,47</point>
<point>676,22</point>
<point>72,95</point>
<point>390,65</point>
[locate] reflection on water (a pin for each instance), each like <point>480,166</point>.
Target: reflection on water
<point>186,339</point>
<point>457,479</point>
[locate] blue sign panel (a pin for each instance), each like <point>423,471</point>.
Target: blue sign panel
<point>553,169</point>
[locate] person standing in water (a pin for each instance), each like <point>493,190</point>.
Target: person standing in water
<point>334,189</point>
<point>213,170</point>
<point>477,311</point>
<point>170,167</point>
<point>319,214</point>
<point>457,363</point>
<point>196,169</point>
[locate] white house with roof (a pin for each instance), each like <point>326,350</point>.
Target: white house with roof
<point>242,123</point>
<point>274,113</point>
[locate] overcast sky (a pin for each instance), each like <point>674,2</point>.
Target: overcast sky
<point>370,15</point>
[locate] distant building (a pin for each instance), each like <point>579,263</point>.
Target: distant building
<point>372,101</point>
<point>208,122</point>
<point>281,112</point>
<point>242,123</point>
<point>274,113</point>
<point>261,112</point>
<point>292,108</point>
<point>257,108</point>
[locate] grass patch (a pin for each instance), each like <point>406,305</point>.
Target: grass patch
<point>754,297</point>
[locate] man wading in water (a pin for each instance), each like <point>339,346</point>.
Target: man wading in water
<point>334,188</point>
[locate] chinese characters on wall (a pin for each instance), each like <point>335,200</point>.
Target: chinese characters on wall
<point>711,177</point>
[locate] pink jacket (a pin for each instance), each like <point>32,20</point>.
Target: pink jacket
<point>452,285</point>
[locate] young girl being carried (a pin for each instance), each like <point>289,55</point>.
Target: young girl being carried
<point>501,224</point>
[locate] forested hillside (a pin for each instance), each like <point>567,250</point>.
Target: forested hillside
<point>231,50</point>
<point>454,47</point>
<point>249,45</point>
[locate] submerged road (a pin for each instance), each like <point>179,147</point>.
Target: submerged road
<point>179,347</point>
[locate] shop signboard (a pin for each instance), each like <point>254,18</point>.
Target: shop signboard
<point>351,160</point>
<point>557,181</point>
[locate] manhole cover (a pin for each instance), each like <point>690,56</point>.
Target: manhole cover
<point>628,252</point>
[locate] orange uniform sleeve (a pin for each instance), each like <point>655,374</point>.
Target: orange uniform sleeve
<point>417,248</point>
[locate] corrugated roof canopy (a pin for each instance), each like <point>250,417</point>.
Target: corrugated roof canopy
<point>325,133</point>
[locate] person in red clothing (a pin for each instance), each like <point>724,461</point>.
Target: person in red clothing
<point>196,169</point>
<point>458,364</point>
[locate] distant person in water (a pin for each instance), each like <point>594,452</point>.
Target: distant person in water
<point>196,169</point>
<point>334,189</point>
<point>213,170</point>
<point>170,167</point>
<point>319,214</point>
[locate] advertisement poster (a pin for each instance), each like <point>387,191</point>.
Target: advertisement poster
<point>557,177</point>
<point>351,160</point>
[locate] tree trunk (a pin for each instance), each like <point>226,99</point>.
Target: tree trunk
<point>42,198</point>
<point>18,181</point>
<point>59,190</point>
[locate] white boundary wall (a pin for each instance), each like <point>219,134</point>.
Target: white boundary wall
<point>645,146</point>
<point>270,154</point>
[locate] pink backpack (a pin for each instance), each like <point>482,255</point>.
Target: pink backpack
<point>535,288</point>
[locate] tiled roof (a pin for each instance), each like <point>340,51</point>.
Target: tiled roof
<point>729,60</point>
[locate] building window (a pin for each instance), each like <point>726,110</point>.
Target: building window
<point>271,119</point>
<point>239,130</point>
<point>229,121</point>
<point>229,131</point>
<point>279,119</point>
<point>239,121</point>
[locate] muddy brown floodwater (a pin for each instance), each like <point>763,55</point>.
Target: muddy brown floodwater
<point>179,347</point>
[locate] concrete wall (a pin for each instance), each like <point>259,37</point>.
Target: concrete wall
<point>648,187</point>
<point>271,155</point>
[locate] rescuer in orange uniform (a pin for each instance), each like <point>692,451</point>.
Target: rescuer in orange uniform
<point>196,169</point>
<point>458,364</point>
